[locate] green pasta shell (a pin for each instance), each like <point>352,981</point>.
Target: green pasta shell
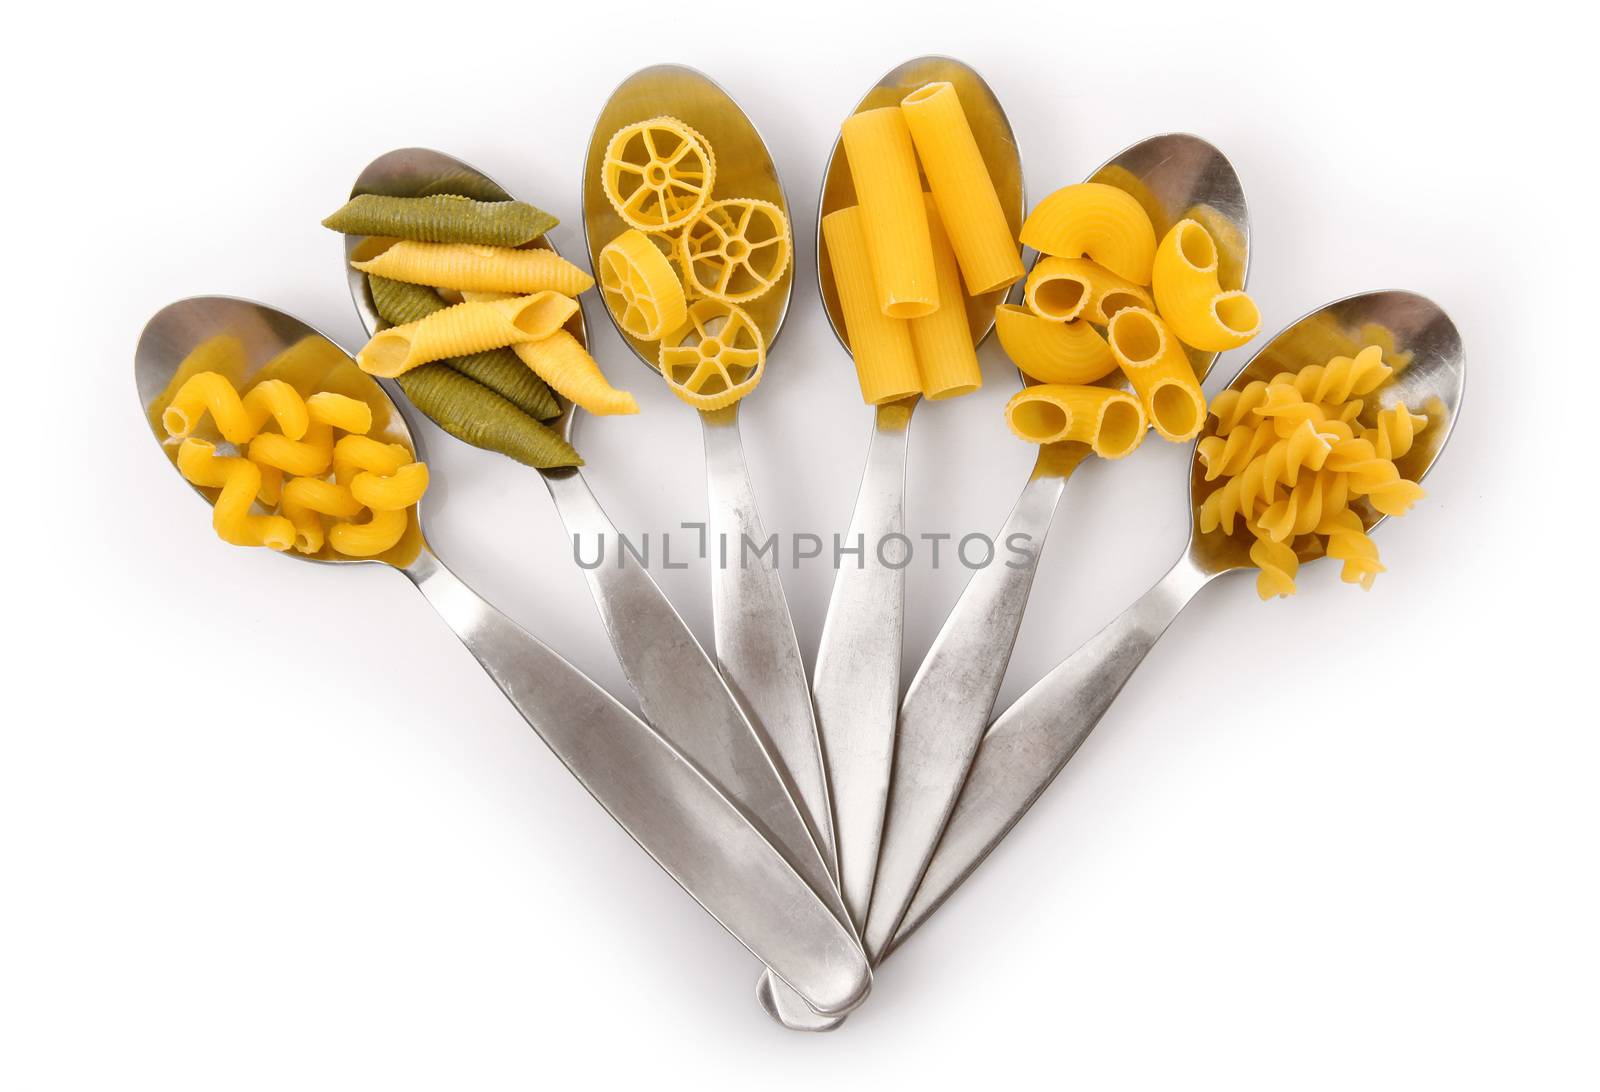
<point>501,370</point>
<point>442,218</point>
<point>473,413</point>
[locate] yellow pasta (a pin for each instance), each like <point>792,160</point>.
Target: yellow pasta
<point>640,287</point>
<point>340,411</point>
<point>401,489</point>
<point>1110,421</point>
<point>311,455</point>
<point>1100,221</point>
<point>718,358</point>
<point>658,174</point>
<point>1190,297</point>
<point>735,250</point>
<point>467,265</point>
<point>306,501</point>
<point>239,481</point>
<point>222,353</point>
<point>379,534</point>
<point>886,364</point>
<point>962,189</point>
<point>562,362</point>
<point>1159,371</point>
<point>237,419</point>
<point>465,328</point>
<point>947,361</point>
<point>1057,289</point>
<point>1052,352</point>
<point>1108,293</point>
<point>894,220</point>
<point>353,455</point>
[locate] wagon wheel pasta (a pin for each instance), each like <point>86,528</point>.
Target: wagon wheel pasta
<point>735,250</point>
<point>658,173</point>
<point>640,287</point>
<point>719,357</point>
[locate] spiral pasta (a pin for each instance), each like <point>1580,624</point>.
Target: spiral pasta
<point>1300,460</point>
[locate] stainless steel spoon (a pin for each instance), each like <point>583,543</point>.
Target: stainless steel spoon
<point>679,689</point>
<point>856,681</point>
<point>1033,739</point>
<point>755,639</point>
<point>701,838</point>
<point>948,704</point>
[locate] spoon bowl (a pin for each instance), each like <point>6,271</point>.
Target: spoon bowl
<point>423,172</point>
<point>745,168</point>
<point>1418,340</point>
<point>267,340</point>
<point>997,143</point>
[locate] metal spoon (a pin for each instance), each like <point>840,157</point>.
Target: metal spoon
<point>679,688</point>
<point>856,681</point>
<point>1033,739</point>
<point>952,695</point>
<point>700,837</point>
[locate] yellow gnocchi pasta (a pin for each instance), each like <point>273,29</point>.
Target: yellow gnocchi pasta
<point>468,266</point>
<point>469,327</point>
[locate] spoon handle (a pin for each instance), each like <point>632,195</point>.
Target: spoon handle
<point>679,689</point>
<point>948,704</point>
<point>755,640</point>
<point>856,682</point>
<point>666,805</point>
<point>1032,740</point>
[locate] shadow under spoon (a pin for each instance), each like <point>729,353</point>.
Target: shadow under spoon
<point>680,690</point>
<point>951,697</point>
<point>686,823</point>
<point>856,681</point>
<point>1032,740</point>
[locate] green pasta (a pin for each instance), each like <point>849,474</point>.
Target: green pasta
<point>473,413</point>
<point>501,370</point>
<point>442,218</point>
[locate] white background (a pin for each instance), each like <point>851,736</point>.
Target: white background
<point>267,825</point>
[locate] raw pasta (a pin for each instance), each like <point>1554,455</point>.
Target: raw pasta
<point>442,218</point>
<point>962,189</point>
<point>1057,289</point>
<point>478,416</point>
<point>239,480</point>
<point>1159,371</point>
<point>1110,421</point>
<point>1053,352</point>
<point>735,250</point>
<point>942,341</point>
<point>465,328</point>
<point>718,358</point>
<point>1190,295</point>
<point>658,174</point>
<point>465,265</point>
<point>886,364</point>
<point>894,219</point>
<point>640,287</point>
<point>1097,220</point>
<point>562,361</point>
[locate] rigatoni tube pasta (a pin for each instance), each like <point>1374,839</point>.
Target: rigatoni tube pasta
<point>894,220</point>
<point>886,364</point>
<point>942,341</point>
<point>962,189</point>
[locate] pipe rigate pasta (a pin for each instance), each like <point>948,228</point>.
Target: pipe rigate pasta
<point>734,250</point>
<point>719,358</point>
<point>468,266</point>
<point>1057,290</point>
<point>1159,371</point>
<point>1097,220</point>
<point>1110,421</point>
<point>1052,352</point>
<point>465,328</point>
<point>442,218</point>
<point>640,287</point>
<point>1189,293</point>
<point>658,173</point>
<point>1108,293</point>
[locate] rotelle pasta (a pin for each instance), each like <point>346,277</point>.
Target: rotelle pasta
<point>962,189</point>
<point>894,220</point>
<point>640,287</point>
<point>658,173</point>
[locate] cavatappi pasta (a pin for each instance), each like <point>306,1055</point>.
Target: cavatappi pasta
<point>1304,467</point>
<point>460,280</point>
<point>277,492</point>
<point>660,176</point>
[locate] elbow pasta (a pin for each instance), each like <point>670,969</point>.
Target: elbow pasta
<point>1110,421</point>
<point>1097,220</point>
<point>1053,352</point>
<point>1189,293</point>
<point>286,471</point>
<point>484,268</point>
<point>1298,458</point>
